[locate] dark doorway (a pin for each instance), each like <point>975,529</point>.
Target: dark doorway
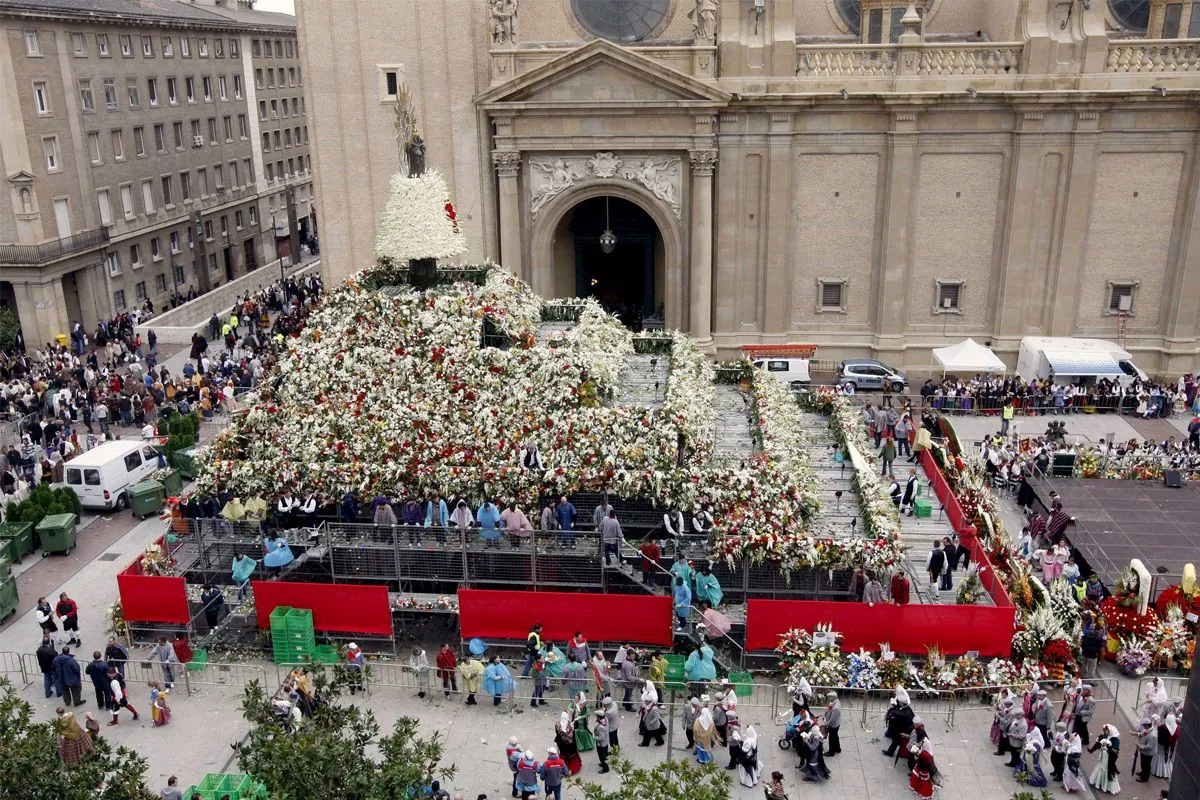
<point>251,255</point>
<point>230,264</point>
<point>623,280</point>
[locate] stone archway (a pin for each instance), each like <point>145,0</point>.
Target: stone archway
<point>541,253</point>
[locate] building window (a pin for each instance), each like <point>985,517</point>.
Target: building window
<point>31,44</point>
<point>177,130</point>
<point>278,141</point>
<point>219,48</point>
<point>105,206</point>
<point>249,170</point>
<point>1120,296</point>
<point>119,296</point>
<point>288,45</point>
<point>291,76</point>
<point>202,175</point>
<point>262,109</point>
<point>148,196</point>
<point>274,109</point>
<point>1171,16</point>
<point>93,138</point>
<point>270,78</point>
<point>148,46</point>
<point>110,94</point>
<point>155,250</point>
<point>173,240</point>
<point>235,177</point>
<point>160,283</point>
<point>235,49</point>
<point>141,290</point>
<point>50,149</point>
<point>126,46</point>
<point>168,47</point>
<point>191,238</point>
<point>197,139</point>
<point>252,214</point>
<point>228,120</point>
<point>243,126</point>
<point>270,172</point>
<point>168,191</point>
<point>208,230</point>
<point>221,88</point>
<point>85,96</point>
<point>135,256</point>
<point>212,129</point>
<point>118,144</point>
<point>255,49</point>
<point>178,275</point>
<point>224,225</point>
<point>237,87</point>
<point>152,91</point>
<point>160,138</point>
<point>266,144</point>
<point>949,297</point>
<point>102,45</point>
<point>189,86</point>
<point>287,138</point>
<point>185,185</point>
<point>258,77</point>
<point>114,263</point>
<point>185,47</point>
<point>139,142</point>
<point>41,98</point>
<point>219,177</point>
<point>279,48</point>
<point>237,219</point>
<point>202,48</point>
<point>291,169</point>
<point>206,84</point>
<point>78,44</point>
<point>831,295</point>
<point>135,99</point>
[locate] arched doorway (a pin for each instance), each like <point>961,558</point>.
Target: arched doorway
<point>629,281</point>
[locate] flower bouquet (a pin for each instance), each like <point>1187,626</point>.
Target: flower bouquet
<point>863,671</point>
<point>115,623</point>
<point>970,588</point>
<point>1133,657</point>
<point>1124,620</point>
<point>156,562</point>
<point>893,671</point>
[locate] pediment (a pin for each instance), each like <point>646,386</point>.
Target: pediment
<point>20,177</point>
<point>602,72</point>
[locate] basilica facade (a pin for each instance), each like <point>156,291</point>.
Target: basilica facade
<point>875,177</point>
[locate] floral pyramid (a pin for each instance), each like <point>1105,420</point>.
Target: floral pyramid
<point>418,220</point>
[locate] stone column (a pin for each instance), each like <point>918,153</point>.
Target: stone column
<point>508,167</point>
<point>892,277</point>
<point>703,162</point>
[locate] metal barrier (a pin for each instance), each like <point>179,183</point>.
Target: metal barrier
<point>223,674</point>
<point>1176,689</point>
<point>12,663</point>
<point>1040,404</point>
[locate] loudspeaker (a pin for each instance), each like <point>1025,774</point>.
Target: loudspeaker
<point>1172,479</point>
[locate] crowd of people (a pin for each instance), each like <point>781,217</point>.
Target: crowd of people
<point>1144,398</point>
<point>59,400</point>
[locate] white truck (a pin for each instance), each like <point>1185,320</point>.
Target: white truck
<point>1069,360</point>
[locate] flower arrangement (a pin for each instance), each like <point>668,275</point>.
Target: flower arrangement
<point>1123,620</point>
<point>114,618</point>
<point>893,671</point>
<point>418,221</point>
<point>440,603</point>
<point>863,672</point>
<point>970,588</point>
<point>1172,635</point>
<point>156,562</point>
<point>1133,657</point>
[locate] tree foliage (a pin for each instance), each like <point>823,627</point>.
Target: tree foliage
<point>327,756</point>
<point>9,328</point>
<point>671,780</point>
<point>30,768</point>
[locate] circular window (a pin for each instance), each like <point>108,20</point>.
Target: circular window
<point>851,13</point>
<point>1131,14</point>
<point>621,20</point>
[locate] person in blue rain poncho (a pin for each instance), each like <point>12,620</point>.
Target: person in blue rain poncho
<point>497,680</point>
<point>488,517</point>
<point>708,588</point>
<point>683,602</point>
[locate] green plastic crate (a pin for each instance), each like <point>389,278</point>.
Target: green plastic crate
<point>279,615</point>
<point>199,661</point>
<point>251,788</point>
<point>325,654</point>
<point>210,782</point>
<point>922,508</point>
<point>742,681</point>
<point>299,619</point>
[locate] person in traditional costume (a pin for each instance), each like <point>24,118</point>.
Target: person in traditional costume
<point>612,717</point>
<point>73,741</point>
<point>920,780</point>
<point>704,736</point>
<point>575,675</point>
<point>1104,774</point>
<point>1164,756</point>
<point>1018,729</point>
<point>801,693</point>
<point>899,721</point>
<point>1029,770</point>
<point>1000,720</point>
<point>1157,700</point>
<point>497,680</point>
<point>554,660</point>
<point>1058,521</point>
<point>584,741</point>
<point>691,712</point>
<point>600,670</point>
<point>749,767</point>
<point>1058,750</point>
<point>160,712</point>
<point>1147,745</point>
<point>578,647</point>
<point>1072,776</point>
<point>708,588</point>
<point>814,767</point>
<point>564,739</point>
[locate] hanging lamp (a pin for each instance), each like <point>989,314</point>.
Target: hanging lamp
<point>608,239</point>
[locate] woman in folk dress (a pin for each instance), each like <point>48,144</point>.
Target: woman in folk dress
<point>1168,736</point>
<point>1072,777</point>
<point>1104,774</point>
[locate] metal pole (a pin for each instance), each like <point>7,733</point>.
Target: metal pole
<point>671,722</point>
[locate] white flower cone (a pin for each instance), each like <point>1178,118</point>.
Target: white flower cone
<point>414,223</point>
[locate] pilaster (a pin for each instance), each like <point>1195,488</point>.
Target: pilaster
<point>703,163</point>
<point>1081,184</point>
<point>892,272</point>
<point>507,164</point>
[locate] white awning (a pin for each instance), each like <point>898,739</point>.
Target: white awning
<point>968,356</point>
<point>1075,363</point>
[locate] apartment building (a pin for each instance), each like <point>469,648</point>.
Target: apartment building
<point>132,154</point>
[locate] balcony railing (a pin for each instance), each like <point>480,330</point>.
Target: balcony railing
<point>53,250</point>
<point>1154,55</point>
<point>890,60</point>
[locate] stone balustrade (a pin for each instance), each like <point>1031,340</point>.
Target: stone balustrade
<point>1154,55</point>
<point>888,60</point>
<point>970,59</point>
<point>858,61</point>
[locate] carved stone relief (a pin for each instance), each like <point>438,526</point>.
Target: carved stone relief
<point>662,176</point>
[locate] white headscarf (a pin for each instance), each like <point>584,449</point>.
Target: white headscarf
<point>649,694</point>
<point>750,738</point>
<point>1074,744</point>
<point>1172,723</point>
<point>705,719</point>
<point>622,655</point>
<point>564,722</point>
<point>902,695</point>
<point>804,687</point>
<point>1035,737</point>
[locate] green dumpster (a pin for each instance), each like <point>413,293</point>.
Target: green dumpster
<point>185,462</point>
<point>173,483</point>
<point>8,595</point>
<point>146,498</point>
<point>16,539</point>
<point>58,533</point>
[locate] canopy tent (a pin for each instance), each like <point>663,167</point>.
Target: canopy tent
<point>968,356</point>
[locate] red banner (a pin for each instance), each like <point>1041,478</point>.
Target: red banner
<point>335,606</point>
<point>908,629</point>
<point>635,619</point>
<point>153,598</point>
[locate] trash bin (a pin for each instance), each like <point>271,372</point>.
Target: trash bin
<point>173,483</point>
<point>61,338</point>
<point>8,593</point>
<point>58,533</point>
<point>185,462</point>
<point>146,498</point>
<point>16,539</point>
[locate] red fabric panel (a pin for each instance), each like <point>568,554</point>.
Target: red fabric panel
<point>153,598</point>
<point>636,619</point>
<point>335,606</point>
<point>908,629</point>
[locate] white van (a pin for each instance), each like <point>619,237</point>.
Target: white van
<point>792,371</point>
<point>1069,359</point>
<point>101,476</point>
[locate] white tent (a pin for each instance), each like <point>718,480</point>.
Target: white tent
<point>968,356</point>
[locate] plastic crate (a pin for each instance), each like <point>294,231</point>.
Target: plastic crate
<point>210,782</point>
<point>325,654</point>
<point>279,615</point>
<point>742,681</point>
<point>199,661</point>
<point>251,788</point>
<point>299,619</point>
<point>922,508</point>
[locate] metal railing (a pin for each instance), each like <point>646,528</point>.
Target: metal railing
<point>49,251</point>
<point>1176,689</point>
<point>12,666</point>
